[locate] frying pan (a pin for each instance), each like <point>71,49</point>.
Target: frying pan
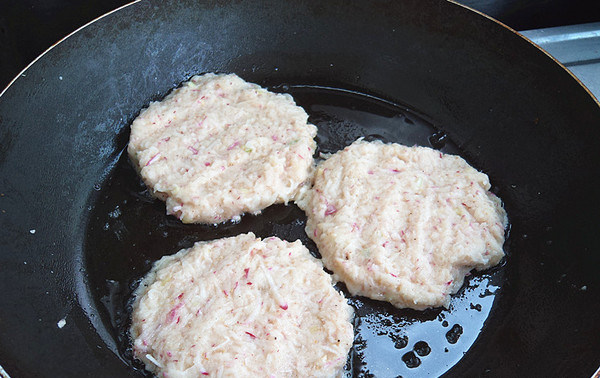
<point>77,229</point>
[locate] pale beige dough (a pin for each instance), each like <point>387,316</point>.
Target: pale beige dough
<point>241,307</point>
<point>218,147</point>
<point>403,224</point>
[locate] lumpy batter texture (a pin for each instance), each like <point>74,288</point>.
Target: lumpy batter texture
<point>403,224</point>
<point>218,147</point>
<point>241,307</point>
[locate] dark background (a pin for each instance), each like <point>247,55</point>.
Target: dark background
<point>29,27</point>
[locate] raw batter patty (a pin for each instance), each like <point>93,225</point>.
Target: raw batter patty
<point>403,224</point>
<point>241,306</point>
<point>218,147</point>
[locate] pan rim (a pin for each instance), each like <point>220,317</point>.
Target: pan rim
<point>62,40</point>
<point>10,93</point>
<point>516,32</point>
<point>454,2</point>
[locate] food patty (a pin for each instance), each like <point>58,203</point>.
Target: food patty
<point>218,147</point>
<point>403,224</point>
<point>242,307</point>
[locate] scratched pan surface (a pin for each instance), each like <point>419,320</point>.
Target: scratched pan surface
<point>77,229</point>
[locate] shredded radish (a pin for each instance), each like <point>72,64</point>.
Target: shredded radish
<point>238,147</point>
<point>384,214</point>
<point>290,322</point>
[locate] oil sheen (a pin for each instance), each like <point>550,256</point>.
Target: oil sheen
<point>128,230</point>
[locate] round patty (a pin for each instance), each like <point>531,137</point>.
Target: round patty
<point>241,306</point>
<point>403,224</point>
<point>218,147</point>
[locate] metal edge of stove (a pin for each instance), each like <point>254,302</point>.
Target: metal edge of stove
<point>577,47</point>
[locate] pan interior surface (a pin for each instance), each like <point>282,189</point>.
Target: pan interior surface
<point>128,231</point>
<point>359,69</point>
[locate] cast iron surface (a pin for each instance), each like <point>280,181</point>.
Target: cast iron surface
<point>128,230</point>
<point>29,27</point>
<point>508,109</point>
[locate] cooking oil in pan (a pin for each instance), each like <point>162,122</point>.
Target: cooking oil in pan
<point>128,230</point>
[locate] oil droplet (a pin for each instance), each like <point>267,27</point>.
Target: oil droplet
<point>399,341</point>
<point>422,348</point>
<point>445,323</point>
<point>411,360</point>
<point>360,345</point>
<point>438,140</point>
<point>476,307</point>
<point>115,213</point>
<point>454,334</point>
<point>97,187</point>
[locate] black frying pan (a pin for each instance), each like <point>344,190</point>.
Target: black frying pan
<point>78,229</point>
